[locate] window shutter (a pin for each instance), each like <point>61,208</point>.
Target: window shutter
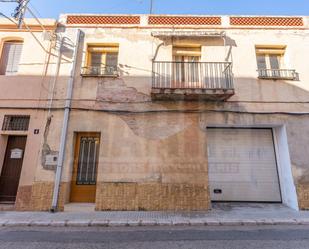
<point>274,61</point>
<point>112,60</point>
<point>261,61</point>
<point>10,58</point>
<point>186,51</point>
<point>96,59</point>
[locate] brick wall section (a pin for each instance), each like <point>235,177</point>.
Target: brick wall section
<point>303,196</point>
<point>182,20</point>
<point>103,20</point>
<point>266,21</point>
<point>40,198</point>
<point>152,197</point>
<point>23,198</point>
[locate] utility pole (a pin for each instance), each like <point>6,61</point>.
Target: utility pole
<point>151,7</point>
<point>20,11</point>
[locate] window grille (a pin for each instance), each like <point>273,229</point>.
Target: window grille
<point>87,162</point>
<point>15,123</point>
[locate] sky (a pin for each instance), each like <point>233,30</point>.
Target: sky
<point>52,8</point>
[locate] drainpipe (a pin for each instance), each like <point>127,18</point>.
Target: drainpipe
<point>65,123</point>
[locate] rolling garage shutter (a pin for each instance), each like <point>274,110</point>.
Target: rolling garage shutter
<point>242,165</point>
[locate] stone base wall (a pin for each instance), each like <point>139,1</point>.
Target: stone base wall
<point>303,196</point>
<point>23,198</point>
<point>152,197</point>
<point>38,197</point>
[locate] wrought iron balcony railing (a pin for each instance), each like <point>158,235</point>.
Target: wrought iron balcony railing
<point>276,74</point>
<point>97,71</point>
<point>192,75</point>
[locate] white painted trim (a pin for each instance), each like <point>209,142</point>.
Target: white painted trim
<point>288,189</point>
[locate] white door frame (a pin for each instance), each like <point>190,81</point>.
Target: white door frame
<point>286,181</point>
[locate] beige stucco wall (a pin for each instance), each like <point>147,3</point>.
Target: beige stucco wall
<point>143,141</point>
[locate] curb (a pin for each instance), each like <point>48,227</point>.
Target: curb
<point>135,223</point>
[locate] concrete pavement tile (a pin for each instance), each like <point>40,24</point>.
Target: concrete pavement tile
<point>165,222</point>
<point>231,222</point>
<point>78,223</point>
<point>134,223</point>
<point>40,223</point>
<point>249,222</point>
<point>58,223</point>
<point>285,221</point>
<point>13,223</point>
<point>212,222</point>
<point>99,223</point>
<point>118,223</point>
<point>264,221</point>
<point>302,221</point>
<point>3,222</point>
<point>148,222</point>
<point>180,222</point>
<point>197,222</point>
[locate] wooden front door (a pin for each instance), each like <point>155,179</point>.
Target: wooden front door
<point>10,173</point>
<point>84,177</point>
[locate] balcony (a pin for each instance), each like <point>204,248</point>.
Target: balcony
<point>278,74</point>
<point>192,81</point>
<point>100,71</point>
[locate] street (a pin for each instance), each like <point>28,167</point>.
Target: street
<point>219,237</point>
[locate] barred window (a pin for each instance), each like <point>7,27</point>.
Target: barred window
<point>87,161</point>
<point>15,123</point>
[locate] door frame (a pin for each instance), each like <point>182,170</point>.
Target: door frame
<point>5,150</point>
<point>284,167</point>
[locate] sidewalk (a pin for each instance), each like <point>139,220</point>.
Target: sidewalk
<point>221,214</point>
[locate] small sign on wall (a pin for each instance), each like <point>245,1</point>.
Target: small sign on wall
<point>16,153</point>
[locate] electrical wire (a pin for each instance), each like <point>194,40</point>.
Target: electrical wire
<point>36,18</point>
<point>5,16</point>
<point>162,111</point>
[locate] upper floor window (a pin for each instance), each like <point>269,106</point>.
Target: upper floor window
<point>10,57</point>
<point>187,53</point>
<point>185,67</point>
<point>102,60</point>
<point>270,63</point>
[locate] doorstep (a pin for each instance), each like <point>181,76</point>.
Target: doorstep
<point>220,215</point>
<point>7,206</point>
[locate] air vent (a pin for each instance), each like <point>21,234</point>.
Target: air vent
<point>15,123</point>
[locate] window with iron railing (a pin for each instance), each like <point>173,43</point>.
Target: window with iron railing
<point>187,71</point>
<point>101,61</point>
<point>192,75</point>
<point>270,62</point>
<point>15,123</point>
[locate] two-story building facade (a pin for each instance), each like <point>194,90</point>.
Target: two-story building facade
<point>156,112</point>
<point>26,71</point>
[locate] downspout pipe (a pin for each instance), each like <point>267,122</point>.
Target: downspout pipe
<point>65,123</point>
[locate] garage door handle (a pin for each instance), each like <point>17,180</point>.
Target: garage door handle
<point>218,191</point>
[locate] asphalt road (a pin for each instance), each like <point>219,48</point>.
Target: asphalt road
<point>272,237</point>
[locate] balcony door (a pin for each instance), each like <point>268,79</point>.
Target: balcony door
<point>186,67</point>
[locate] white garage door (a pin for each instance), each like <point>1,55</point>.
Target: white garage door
<point>242,165</point>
